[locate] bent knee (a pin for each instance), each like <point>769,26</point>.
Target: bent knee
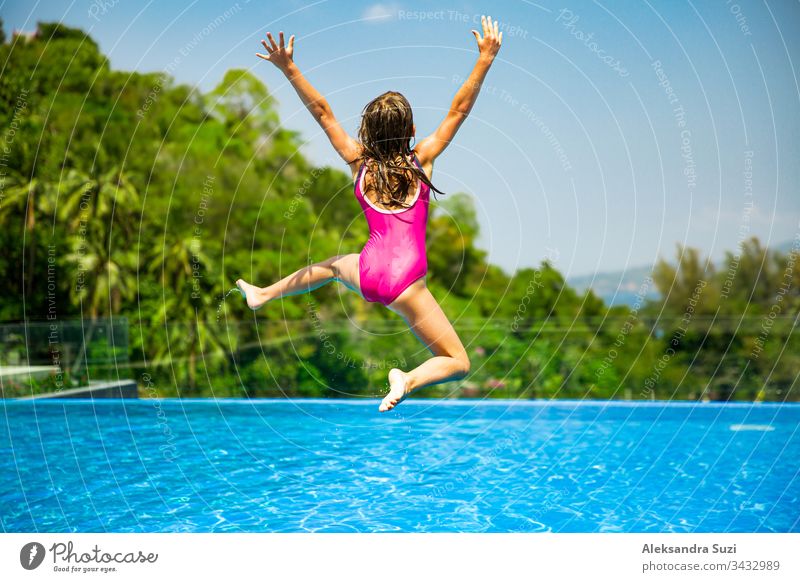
<point>464,364</point>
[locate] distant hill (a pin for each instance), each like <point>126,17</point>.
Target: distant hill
<point>617,287</point>
<point>623,287</point>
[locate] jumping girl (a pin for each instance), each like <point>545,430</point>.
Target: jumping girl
<point>392,184</point>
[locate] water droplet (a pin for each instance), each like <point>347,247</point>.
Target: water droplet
<point>222,302</point>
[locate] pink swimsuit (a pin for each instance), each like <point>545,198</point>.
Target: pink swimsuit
<point>394,256</point>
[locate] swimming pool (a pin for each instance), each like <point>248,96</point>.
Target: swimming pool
<point>431,465</point>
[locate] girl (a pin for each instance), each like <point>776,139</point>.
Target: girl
<point>392,184</point>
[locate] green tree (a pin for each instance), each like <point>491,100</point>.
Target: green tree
<point>99,211</point>
<point>453,258</point>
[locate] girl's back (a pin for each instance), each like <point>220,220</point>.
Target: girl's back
<point>395,254</point>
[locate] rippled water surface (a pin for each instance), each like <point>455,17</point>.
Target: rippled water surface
<point>439,466</point>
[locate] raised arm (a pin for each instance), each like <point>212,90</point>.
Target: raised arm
<point>429,148</point>
<point>282,57</point>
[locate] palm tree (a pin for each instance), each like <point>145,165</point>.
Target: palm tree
<point>185,307</point>
<point>33,199</point>
<point>100,212</point>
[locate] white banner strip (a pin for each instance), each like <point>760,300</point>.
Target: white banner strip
<point>400,557</point>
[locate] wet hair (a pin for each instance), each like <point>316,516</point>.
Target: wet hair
<point>387,126</point>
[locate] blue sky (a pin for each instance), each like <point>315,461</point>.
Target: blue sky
<point>605,134</point>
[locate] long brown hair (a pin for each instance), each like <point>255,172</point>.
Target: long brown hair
<point>387,126</point>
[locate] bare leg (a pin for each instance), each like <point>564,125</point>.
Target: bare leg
<point>429,323</point>
<point>305,280</point>
<point>416,305</point>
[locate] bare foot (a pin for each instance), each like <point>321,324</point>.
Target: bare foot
<point>397,390</point>
<point>254,295</point>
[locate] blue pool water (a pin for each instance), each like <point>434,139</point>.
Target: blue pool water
<point>438,466</point>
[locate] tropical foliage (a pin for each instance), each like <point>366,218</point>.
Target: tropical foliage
<point>127,195</point>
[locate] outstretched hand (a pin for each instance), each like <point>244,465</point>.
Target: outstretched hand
<point>280,56</point>
<point>490,43</point>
